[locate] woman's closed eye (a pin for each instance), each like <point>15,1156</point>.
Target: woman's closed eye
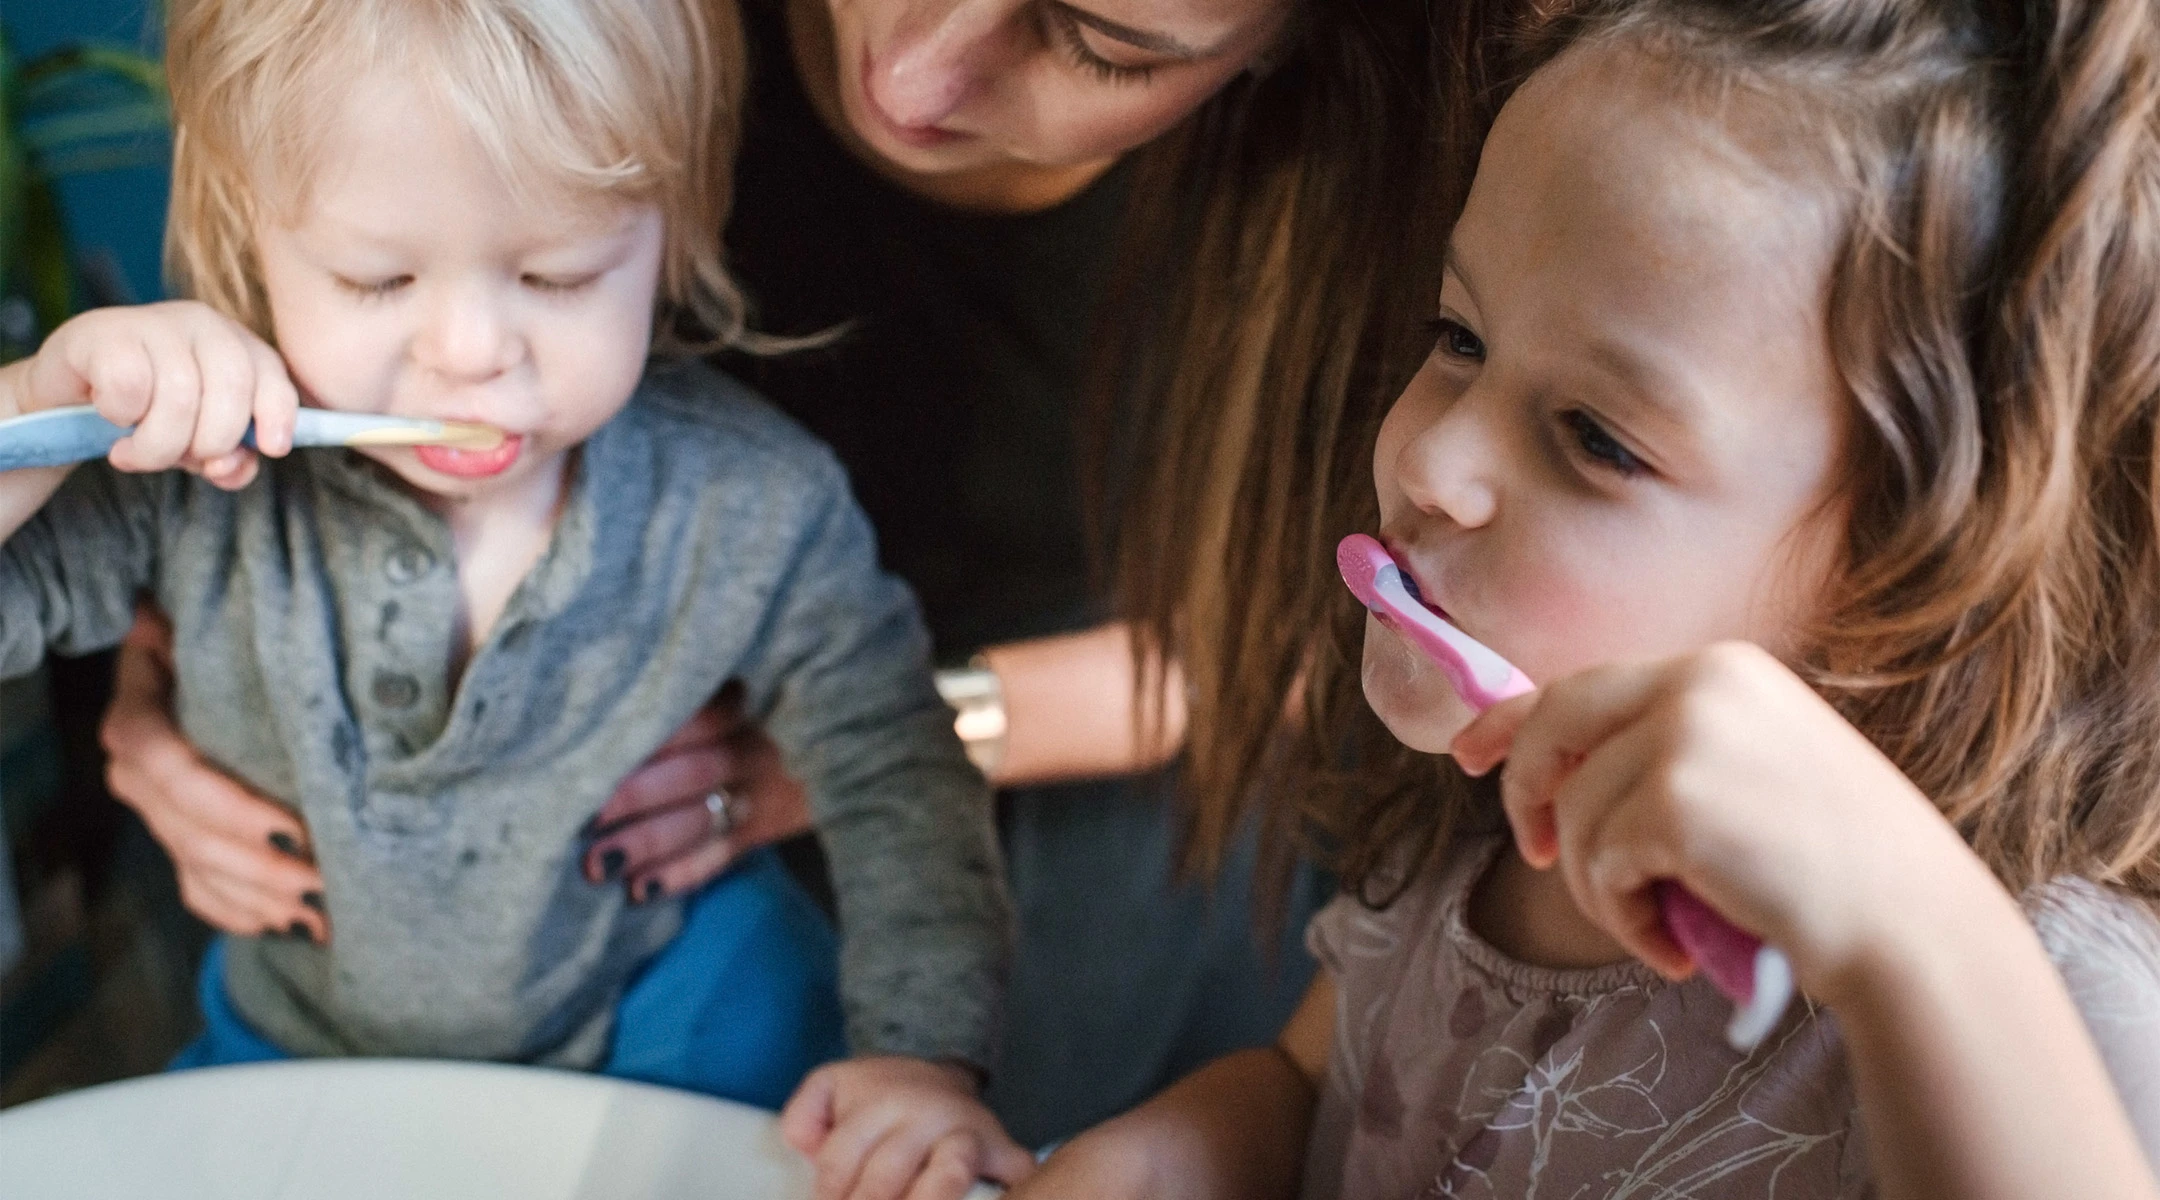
<point>1597,444</point>
<point>1065,30</point>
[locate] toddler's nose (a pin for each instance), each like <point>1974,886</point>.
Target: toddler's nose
<point>467,339</point>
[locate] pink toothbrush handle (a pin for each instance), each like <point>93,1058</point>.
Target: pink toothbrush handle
<point>1755,977</point>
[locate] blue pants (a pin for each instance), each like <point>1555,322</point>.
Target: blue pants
<point>741,1005</point>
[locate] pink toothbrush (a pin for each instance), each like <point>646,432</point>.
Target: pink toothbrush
<point>1756,977</point>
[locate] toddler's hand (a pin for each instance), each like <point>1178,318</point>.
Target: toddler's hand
<point>1726,772</point>
<point>887,1128</point>
<point>187,377</point>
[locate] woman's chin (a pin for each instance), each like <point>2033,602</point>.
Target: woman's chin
<point>1409,694</point>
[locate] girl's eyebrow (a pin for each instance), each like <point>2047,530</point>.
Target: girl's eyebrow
<point>1154,43</point>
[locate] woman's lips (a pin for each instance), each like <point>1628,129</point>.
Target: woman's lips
<point>472,464</point>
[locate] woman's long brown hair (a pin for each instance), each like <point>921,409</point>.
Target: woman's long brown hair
<point>1995,316</point>
<point>1283,252</point>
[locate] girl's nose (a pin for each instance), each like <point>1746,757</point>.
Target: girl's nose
<point>467,337</point>
<point>935,63</point>
<point>1450,465</point>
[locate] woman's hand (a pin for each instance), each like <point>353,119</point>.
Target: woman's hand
<point>1724,771</point>
<point>244,862</point>
<point>714,792</point>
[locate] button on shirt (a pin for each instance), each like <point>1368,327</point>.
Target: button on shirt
<point>705,539</point>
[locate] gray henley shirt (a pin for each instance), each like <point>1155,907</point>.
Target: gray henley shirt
<point>705,539</point>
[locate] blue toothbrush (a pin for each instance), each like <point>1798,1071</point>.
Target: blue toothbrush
<point>61,436</point>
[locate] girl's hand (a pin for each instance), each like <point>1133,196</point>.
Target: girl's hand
<point>659,835</point>
<point>187,377</point>
<point>244,862</point>
<point>892,1128</point>
<point>1724,771</point>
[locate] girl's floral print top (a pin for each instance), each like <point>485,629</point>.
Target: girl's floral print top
<point>1458,1072</point>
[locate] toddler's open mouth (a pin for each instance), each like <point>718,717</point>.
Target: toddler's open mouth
<point>472,463</point>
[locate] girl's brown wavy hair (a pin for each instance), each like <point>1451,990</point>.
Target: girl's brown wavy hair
<point>1995,317</point>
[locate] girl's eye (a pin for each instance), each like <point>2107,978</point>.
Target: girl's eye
<point>1452,337</point>
<point>1600,446</point>
<point>374,288</point>
<point>1065,29</point>
<point>556,286</point>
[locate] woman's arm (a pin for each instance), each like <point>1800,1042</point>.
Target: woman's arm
<point>1973,1067</point>
<point>1072,711</point>
<point>1235,1128</point>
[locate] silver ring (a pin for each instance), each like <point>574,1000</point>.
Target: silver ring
<point>724,810</point>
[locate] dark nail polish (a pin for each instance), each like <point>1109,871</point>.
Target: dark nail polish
<point>299,930</point>
<point>612,863</point>
<point>285,844</point>
<point>652,889</point>
<point>590,827</point>
<point>313,900</point>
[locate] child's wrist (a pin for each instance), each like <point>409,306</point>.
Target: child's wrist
<point>1940,937</point>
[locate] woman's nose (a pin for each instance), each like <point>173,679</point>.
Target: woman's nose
<point>934,64</point>
<point>1450,466</point>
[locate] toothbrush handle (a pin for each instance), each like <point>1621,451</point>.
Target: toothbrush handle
<point>1757,978</point>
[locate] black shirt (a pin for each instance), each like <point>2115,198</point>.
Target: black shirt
<point>952,396</point>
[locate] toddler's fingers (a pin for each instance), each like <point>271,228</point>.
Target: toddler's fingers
<point>227,370</point>
<point>1484,742</point>
<point>951,1168</point>
<point>807,1118</point>
<point>840,1163</point>
<point>891,1168</point>
<point>161,439</point>
<point>1004,1159</point>
<point>120,381</point>
<point>231,472</point>
<point>276,402</point>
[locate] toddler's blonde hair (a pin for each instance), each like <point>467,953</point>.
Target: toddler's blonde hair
<point>638,100</point>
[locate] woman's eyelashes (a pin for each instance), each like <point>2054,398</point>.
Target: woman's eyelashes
<point>1065,30</point>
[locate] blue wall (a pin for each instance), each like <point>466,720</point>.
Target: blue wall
<point>120,212</point>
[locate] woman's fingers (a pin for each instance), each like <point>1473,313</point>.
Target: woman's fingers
<point>684,872</point>
<point>664,781</point>
<point>649,840</point>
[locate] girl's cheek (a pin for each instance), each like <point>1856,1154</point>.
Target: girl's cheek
<point>1409,694</point>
